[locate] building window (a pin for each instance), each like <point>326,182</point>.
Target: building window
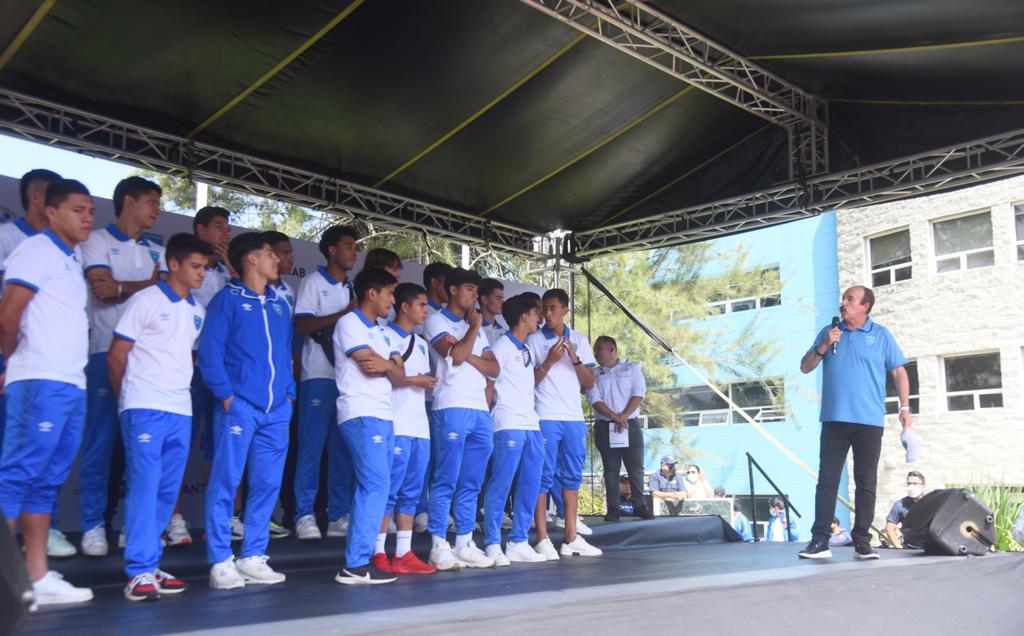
<point>973,382</point>
<point>892,398</point>
<point>767,293</point>
<point>762,400</point>
<point>1018,215</point>
<point>964,242</point>
<point>890,258</point>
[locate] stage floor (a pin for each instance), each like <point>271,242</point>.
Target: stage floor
<point>669,573</point>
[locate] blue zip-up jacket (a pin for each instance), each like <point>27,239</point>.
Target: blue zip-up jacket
<point>245,347</point>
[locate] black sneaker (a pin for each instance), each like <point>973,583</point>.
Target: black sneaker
<point>644,513</point>
<point>864,551</point>
<point>611,516</point>
<point>364,575</point>
<point>816,550</point>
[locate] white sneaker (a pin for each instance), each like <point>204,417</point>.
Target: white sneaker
<point>94,542</point>
<point>559,522</point>
<point>582,528</point>
<point>338,527</point>
<point>494,552</point>
<point>392,527</point>
<point>121,541</point>
<point>225,575</point>
<point>52,589</point>
<point>551,517</point>
<point>546,549</point>
<point>473,557</point>
<point>237,528</point>
<point>307,530</point>
<point>506,521</point>
<point>58,546</point>
<point>255,570</point>
<point>421,522</point>
<point>443,558</point>
<point>580,546</point>
<point>522,553</point>
<point>177,531</point>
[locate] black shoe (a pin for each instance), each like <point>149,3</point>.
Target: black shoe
<point>816,550</point>
<point>611,516</point>
<point>364,575</point>
<point>644,513</point>
<point>864,551</point>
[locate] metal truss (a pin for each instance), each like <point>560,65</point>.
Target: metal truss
<point>53,124</point>
<point>653,37</point>
<point>952,167</point>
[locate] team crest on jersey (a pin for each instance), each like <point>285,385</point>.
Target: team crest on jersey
<point>423,349</point>
<point>277,308</point>
<point>155,255</point>
<point>869,340</point>
<point>197,320</point>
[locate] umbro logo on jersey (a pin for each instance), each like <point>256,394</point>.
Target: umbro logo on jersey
<point>102,392</point>
<point>377,439</point>
<point>236,430</point>
<point>145,438</point>
<point>511,443</point>
<point>398,450</point>
<point>316,402</point>
<point>453,435</point>
<point>246,306</point>
<point>325,293</point>
<point>114,251</point>
<point>165,316</point>
<point>45,427</point>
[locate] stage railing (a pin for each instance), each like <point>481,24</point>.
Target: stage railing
<point>751,465</point>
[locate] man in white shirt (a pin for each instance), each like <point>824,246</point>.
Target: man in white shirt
<point>324,297</point>
<point>464,361</point>
<point>367,368</point>
<point>492,296</point>
<point>618,390</point>
<point>518,445</point>
<point>150,362</point>
<point>32,189</point>
<point>412,431</point>
<point>564,366</point>
<point>44,337</point>
<point>119,262</point>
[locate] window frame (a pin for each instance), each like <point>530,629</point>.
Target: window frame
<point>891,269</point>
<point>1018,211</point>
<point>915,398</point>
<point>773,413</point>
<point>975,393</point>
<point>765,301</point>
<point>962,255</point>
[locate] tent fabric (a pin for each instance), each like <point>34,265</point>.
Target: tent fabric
<point>593,136</point>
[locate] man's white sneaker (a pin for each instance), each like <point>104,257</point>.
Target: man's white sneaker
<point>338,527</point>
<point>473,557</point>
<point>52,589</point>
<point>225,575</point>
<point>421,522</point>
<point>506,521</point>
<point>521,552</point>
<point>307,530</point>
<point>58,546</point>
<point>237,528</point>
<point>582,528</point>
<point>255,570</point>
<point>177,531</point>
<point>546,549</point>
<point>443,557</point>
<point>494,552</point>
<point>580,546</point>
<point>94,542</point>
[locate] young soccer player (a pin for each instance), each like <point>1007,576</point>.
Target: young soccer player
<point>564,365</point>
<point>44,337</point>
<point>463,361</point>
<point>150,362</point>
<point>518,445</point>
<point>32,189</point>
<point>412,431</point>
<point>492,296</point>
<point>282,246</point>
<point>385,259</point>
<point>119,262</point>
<point>323,298</point>
<point>245,358</point>
<point>367,369</point>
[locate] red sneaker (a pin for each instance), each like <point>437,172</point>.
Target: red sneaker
<point>142,587</point>
<point>168,583</point>
<point>409,563</point>
<point>380,561</point>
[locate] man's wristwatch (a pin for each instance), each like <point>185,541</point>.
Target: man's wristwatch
<point>905,408</point>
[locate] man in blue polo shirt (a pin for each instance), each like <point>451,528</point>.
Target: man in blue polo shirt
<point>856,355</point>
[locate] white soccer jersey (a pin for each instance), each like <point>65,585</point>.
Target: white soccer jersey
<point>408,401</point>
<point>163,328</point>
<point>53,335</point>
<point>513,390</point>
<point>614,386</point>
<point>286,293</point>
<point>320,294</point>
<point>360,395</point>
<point>558,394</point>
<point>214,281</point>
<point>494,330</point>
<point>11,236</point>
<point>458,386</point>
<point>127,259</point>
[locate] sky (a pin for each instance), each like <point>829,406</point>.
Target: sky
<point>18,156</point>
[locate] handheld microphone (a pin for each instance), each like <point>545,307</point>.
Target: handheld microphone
<point>835,323</point>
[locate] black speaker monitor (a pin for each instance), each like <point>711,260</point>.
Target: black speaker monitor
<point>950,522</point>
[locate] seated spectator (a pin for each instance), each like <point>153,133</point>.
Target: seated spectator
<point>899,510</point>
<point>625,502</point>
<point>696,487</point>
<point>740,523</point>
<point>719,492</point>
<point>839,534</point>
<point>667,486</point>
<point>780,527</point>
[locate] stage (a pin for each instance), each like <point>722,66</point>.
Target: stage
<point>678,574</point>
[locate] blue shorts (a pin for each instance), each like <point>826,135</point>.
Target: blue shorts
<point>564,452</point>
<point>408,472</point>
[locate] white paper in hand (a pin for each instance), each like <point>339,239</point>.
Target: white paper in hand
<point>617,439</point>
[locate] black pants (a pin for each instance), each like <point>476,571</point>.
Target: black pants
<point>632,456</point>
<point>836,440</point>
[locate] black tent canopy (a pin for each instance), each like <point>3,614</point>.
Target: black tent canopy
<point>628,124</point>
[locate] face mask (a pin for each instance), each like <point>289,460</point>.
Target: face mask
<point>692,478</point>
<point>914,491</point>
